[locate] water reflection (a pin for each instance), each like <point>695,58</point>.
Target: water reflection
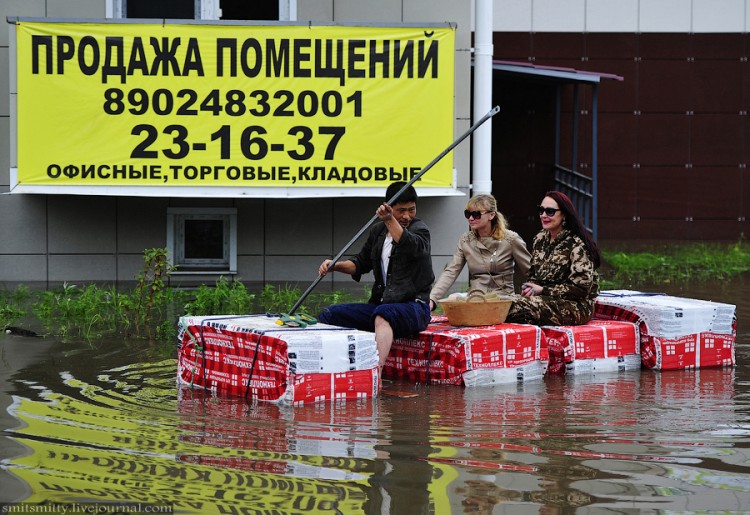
<point>106,422</point>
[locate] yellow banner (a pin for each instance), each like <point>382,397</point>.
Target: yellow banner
<point>243,106</point>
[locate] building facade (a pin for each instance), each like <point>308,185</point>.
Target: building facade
<point>673,136</point>
<point>673,141</point>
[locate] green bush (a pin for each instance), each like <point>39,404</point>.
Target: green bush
<point>151,310</point>
<point>13,305</point>
<point>225,298</point>
<point>88,312</point>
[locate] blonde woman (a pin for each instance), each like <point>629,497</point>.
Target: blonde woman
<point>493,252</point>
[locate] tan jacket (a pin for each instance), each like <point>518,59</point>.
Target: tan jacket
<point>491,264</point>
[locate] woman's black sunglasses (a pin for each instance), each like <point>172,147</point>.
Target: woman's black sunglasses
<point>549,211</point>
<point>474,214</point>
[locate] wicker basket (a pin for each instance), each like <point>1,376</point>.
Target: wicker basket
<point>476,310</point>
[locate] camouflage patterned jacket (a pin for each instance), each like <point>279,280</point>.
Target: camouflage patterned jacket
<point>571,284</point>
<point>563,267</point>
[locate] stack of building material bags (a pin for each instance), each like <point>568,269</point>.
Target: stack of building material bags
<point>675,332</point>
<point>599,346</point>
<point>253,357</point>
<point>472,356</point>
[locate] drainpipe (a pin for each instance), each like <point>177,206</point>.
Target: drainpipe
<point>288,10</point>
<point>482,137</point>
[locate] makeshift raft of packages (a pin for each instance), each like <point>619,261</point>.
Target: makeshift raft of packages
<point>253,357</point>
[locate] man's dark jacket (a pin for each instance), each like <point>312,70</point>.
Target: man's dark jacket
<point>410,274</point>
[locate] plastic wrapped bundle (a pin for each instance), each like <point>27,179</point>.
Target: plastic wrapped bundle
<point>675,332</point>
<point>252,356</point>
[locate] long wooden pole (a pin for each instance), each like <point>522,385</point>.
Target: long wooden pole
<point>432,163</point>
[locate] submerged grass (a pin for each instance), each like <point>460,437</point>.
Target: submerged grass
<point>151,310</point>
<point>233,298</point>
<point>91,312</point>
<point>670,264</point>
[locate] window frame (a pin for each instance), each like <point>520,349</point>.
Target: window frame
<point>176,217</point>
<point>207,9</point>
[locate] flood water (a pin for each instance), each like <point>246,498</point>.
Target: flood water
<point>88,422</point>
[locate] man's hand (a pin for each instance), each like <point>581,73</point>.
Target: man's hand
<point>323,270</point>
<point>345,267</point>
<point>384,212</point>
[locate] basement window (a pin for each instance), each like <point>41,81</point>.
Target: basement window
<point>202,240</point>
<point>203,9</point>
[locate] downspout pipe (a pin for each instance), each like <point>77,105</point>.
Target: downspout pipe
<point>482,138</point>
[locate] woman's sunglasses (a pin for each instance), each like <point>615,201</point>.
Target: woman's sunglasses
<point>549,211</point>
<point>474,214</point>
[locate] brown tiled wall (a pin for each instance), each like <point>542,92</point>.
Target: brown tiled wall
<point>673,136</point>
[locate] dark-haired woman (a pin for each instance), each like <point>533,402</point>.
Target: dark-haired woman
<point>562,282</point>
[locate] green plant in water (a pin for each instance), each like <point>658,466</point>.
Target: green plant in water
<point>151,292</point>
<point>165,331</point>
<point>683,263</point>
<point>92,311</point>
<point>225,298</point>
<point>9,315</point>
<point>72,311</point>
<point>13,305</point>
<point>278,299</point>
<point>319,301</point>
